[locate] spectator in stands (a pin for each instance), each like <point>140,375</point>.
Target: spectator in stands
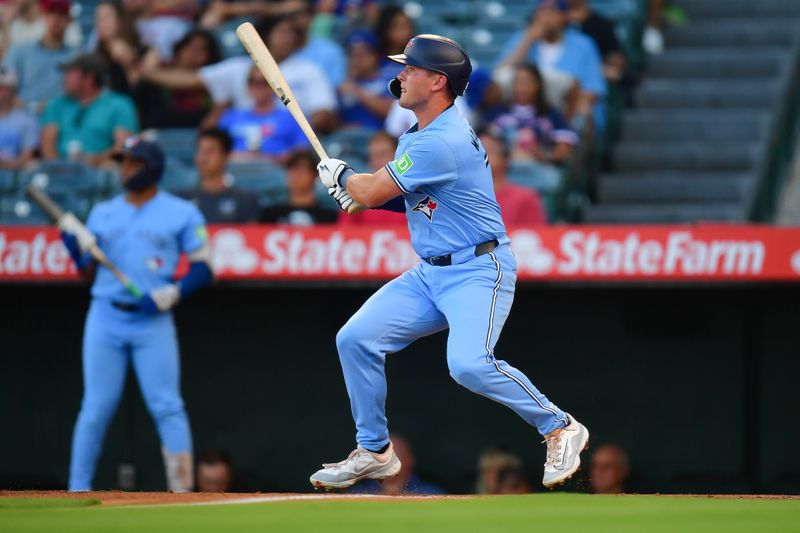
<point>534,130</point>
<point>220,11</point>
<point>265,131</point>
<point>381,150</point>
<point>351,10</point>
<point>394,29</point>
<point>36,64</point>
<point>23,21</point>
<point>163,107</point>
<point>601,30</point>
<point>552,46</point>
<point>303,208</point>
<point>321,51</point>
<point>500,472</point>
<point>217,199</point>
<point>406,482</point>
<point>118,42</point>
<point>214,471</point>
<point>364,101</point>
<point>162,23</point>
<point>88,122</point>
<point>609,469</point>
<point>19,133</point>
<point>518,205</point>
<point>484,97</point>
<point>226,81</point>
<point>652,38</point>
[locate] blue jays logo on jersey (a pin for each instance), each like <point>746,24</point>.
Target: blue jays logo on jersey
<point>154,263</point>
<point>426,206</point>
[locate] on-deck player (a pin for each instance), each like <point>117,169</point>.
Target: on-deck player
<point>143,232</point>
<point>441,178</point>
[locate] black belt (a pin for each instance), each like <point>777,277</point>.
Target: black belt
<point>124,306</point>
<point>447,260</point>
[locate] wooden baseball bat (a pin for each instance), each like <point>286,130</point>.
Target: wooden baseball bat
<point>272,73</point>
<point>55,213</point>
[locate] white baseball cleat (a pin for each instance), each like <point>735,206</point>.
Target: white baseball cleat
<point>564,447</point>
<point>360,464</point>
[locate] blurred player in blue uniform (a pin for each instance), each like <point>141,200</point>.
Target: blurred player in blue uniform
<point>143,232</point>
<point>465,281</point>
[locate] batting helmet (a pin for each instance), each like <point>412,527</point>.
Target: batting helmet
<point>439,54</point>
<point>153,159</point>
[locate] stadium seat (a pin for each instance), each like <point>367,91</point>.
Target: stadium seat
<point>229,43</point>
<point>19,209</point>
<point>178,176</point>
<point>176,142</point>
<point>8,181</point>
<point>348,144</point>
<point>75,176</point>
<point>543,178</point>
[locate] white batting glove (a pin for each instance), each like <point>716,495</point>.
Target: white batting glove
<point>331,171</point>
<point>342,197</point>
<point>69,223</point>
<point>165,297</point>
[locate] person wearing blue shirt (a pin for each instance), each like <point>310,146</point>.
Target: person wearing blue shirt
<point>442,179</point>
<point>363,101</point>
<point>550,45</point>
<point>143,232</point>
<point>267,130</point>
<point>323,52</point>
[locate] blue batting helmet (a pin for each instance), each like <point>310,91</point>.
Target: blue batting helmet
<point>439,54</point>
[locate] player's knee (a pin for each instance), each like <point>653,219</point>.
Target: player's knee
<point>349,337</point>
<point>165,407</point>
<point>468,374</point>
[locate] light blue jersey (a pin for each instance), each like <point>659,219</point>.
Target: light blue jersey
<point>144,242</point>
<point>446,180</point>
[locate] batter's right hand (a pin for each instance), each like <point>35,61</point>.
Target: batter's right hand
<point>331,172</point>
<point>68,223</point>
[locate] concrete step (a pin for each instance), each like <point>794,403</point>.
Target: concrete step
<point>718,63</point>
<point>676,155</point>
<point>693,124</point>
<point>675,187</point>
<point>740,8</point>
<point>736,32</point>
<point>663,213</point>
<point>667,93</point>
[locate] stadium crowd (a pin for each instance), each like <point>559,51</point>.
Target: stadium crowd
<point>75,92</point>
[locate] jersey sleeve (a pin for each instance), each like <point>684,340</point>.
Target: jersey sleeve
<point>194,234</point>
<point>428,160</point>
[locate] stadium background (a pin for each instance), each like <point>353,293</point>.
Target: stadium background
<point>694,379</point>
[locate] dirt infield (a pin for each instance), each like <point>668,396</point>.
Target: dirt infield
<point>115,497</point>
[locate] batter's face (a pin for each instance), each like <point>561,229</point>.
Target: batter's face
<point>130,166</point>
<point>417,84</point>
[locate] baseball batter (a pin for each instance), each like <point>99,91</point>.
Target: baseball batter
<point>442,179</point>
<point>143,232</point>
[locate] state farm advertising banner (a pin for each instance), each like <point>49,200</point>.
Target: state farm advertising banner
<point>554,253</point>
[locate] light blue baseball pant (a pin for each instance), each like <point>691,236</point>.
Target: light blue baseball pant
<point>113,339</point>
<point>473,299</point>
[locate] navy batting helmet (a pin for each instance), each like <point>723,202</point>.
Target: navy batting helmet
<point>153,159</point>
<point>439,54</point>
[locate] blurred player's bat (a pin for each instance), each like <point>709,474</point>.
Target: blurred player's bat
<point>272,73</point>
<point>55,213</point>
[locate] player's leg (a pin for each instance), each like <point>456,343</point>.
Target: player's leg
<point>157,365</point>
<point>400,312</point>
<point>105,363</point>
<point>476,297</point>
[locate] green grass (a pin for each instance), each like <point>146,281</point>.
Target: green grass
<point>551,513</point>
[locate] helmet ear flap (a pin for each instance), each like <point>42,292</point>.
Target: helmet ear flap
<point>394,88</point>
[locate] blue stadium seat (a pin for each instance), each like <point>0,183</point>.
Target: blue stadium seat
<point>19,209</point>
<point>179,143</point>
<point>544,178</point>
<point>8,181</point>
<point>348,144</point>
<point>76,176</point>
<point>266,179</point>
<point>178,176</point>
<point>229,43</point>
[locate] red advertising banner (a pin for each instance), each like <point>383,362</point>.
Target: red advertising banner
<point>547,253</point>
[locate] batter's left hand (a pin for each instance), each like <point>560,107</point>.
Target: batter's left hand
<point>160,300</point>
<point>332,170</point>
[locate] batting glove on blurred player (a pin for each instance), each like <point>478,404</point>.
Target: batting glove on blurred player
<point>334,172</point>
<point>161,299</point>
<point>68,223</point>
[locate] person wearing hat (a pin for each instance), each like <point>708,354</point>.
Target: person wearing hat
<point>549,43</point>
<point>36,63</point>
<point>88,122</point>
<point>143,232</point>
<point>19,133</point>
<point>23,22</point>
<point>363,100</point>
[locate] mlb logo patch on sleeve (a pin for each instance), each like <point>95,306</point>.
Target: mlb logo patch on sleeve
<point>403,164</point>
